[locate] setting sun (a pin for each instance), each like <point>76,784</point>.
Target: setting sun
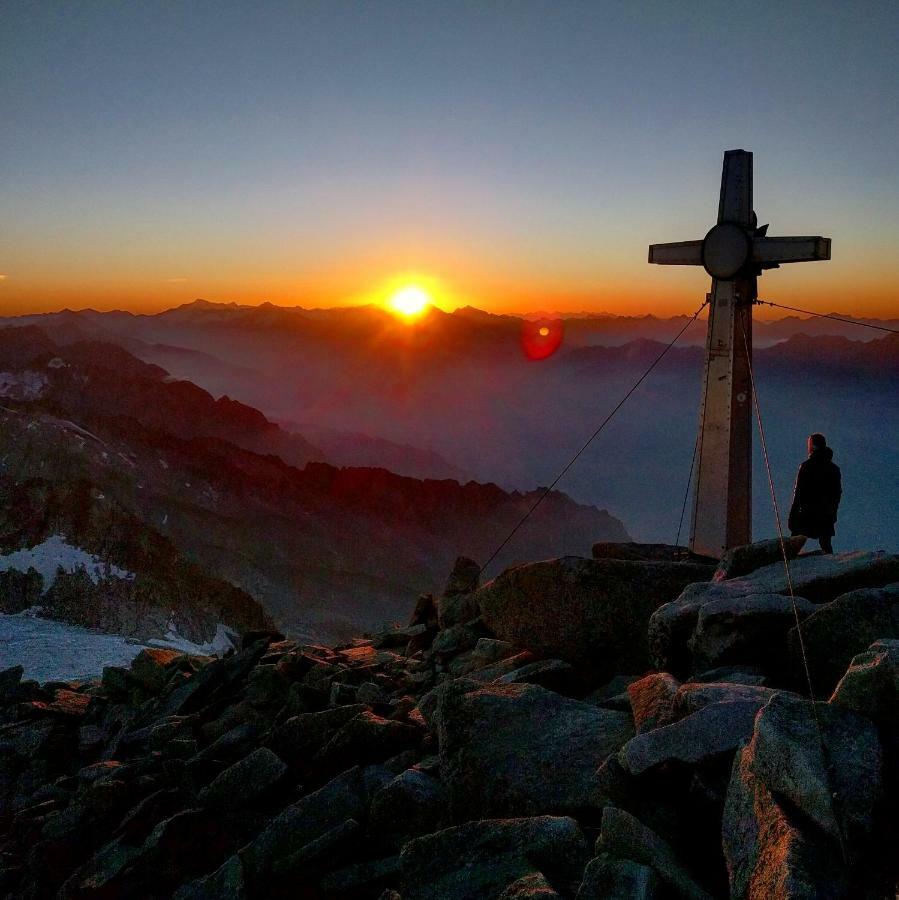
<point>410,301</point>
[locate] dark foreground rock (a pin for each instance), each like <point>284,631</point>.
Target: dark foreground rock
<point>520,749</point>
<point>590,612</point>
<point>817,579</point>
<point>483,859</point>
<point>837,631</point>
<point>454,762</point>
<point>769,850</point>
<point>743,560</point>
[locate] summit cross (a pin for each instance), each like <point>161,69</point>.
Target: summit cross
<point>734,253</point>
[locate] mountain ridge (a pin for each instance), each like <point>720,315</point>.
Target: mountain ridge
<point>325,550</point>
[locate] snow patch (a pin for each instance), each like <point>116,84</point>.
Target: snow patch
<point>56,553</point>
<point>27,385</point>
<point>224,640</point>
<point>55,651</point>
<point>71,426</point>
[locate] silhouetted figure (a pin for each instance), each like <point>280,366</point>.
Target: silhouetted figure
<point>817,494</point>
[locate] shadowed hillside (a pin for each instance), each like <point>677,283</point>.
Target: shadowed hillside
<point>325,550</point>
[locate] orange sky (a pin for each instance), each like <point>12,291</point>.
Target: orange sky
<point>521,155</point>
<point>663,291</point>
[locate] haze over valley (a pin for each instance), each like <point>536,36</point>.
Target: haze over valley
<point>181,491</point>
<point>455,395</point>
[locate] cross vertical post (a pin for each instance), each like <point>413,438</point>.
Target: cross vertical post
<point>722,502</point>
<point>734,252</point>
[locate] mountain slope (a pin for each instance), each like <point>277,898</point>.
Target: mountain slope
<point>460,385</point>
<point>327,551</point>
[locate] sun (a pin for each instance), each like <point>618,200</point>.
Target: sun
<point>410,301</point>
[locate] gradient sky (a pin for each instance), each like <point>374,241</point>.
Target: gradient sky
<point>522,154</point>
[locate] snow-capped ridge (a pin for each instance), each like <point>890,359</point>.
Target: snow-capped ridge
<point>55,553</point>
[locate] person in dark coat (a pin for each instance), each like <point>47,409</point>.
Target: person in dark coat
<point>816,496</point>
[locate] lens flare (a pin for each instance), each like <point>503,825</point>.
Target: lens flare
<point>539,340</point>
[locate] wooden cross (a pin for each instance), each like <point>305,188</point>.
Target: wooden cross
<point>734,253</point>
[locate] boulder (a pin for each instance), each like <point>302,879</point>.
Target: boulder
<point>458,603</point>
<point>233,744</point>
<point>397,637</point>
<point>822,578</point>
<point>618,879</point>
<point>634,552</point>
<point>371,693</point>
<point>651,700</point>
<point>340,799</point>
<point>301,737</point>
<point>150,668</point>
<point>182,847</point>
<point>361,879</point>
<point>366,738</point>
<point>245,782</point>
<point>489,650</point>
<point>648,799</point>
<point>733,675</point>
<point>481,859</point>
<point>412,804</point>
<point>9,681</point>
<point>214,680</point>
<point>530,887</point>
<point>226,881</point>
<point>816,578</point>
<point>429,703</point>
<point>870,686</point>
<point>552,674</point>
<point>267,686</point>
<point>614,687</point>
<point>503,667</point>
<point>833,776</point>
<point>27,740</point>
<point>713,730</point>
<point>519,749</point>
<point>589,612</point>
<point>767,851</point>
<point>458,638</point>
<point>425,612</point>
<point>840,630</point>
<point>625,837</point>
<point>749,630</point>
<point>178,850</point>
<point>693,696</point>
<point>332,845</point>
<point>745,559</point>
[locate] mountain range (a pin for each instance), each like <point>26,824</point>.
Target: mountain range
<point>158,478</point>
<point>457,395</point>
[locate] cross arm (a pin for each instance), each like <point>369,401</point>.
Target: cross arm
<point>789,249</point>
<point>681,253</point>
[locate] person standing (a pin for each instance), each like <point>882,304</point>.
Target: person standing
<point>816,496</point>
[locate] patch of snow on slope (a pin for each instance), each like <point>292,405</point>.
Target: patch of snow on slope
<point>55,553</point>
<point>51,651</point>
<point>224,640</point>
<point>71,426</point>
<point>25,385</point>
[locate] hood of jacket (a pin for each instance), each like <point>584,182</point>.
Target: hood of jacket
<point>821,454</point>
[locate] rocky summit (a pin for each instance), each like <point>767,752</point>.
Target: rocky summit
<point>637,725</point>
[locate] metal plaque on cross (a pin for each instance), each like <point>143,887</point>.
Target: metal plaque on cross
<point>734,253</point>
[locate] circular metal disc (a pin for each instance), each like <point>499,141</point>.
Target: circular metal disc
<point>725,250</point>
